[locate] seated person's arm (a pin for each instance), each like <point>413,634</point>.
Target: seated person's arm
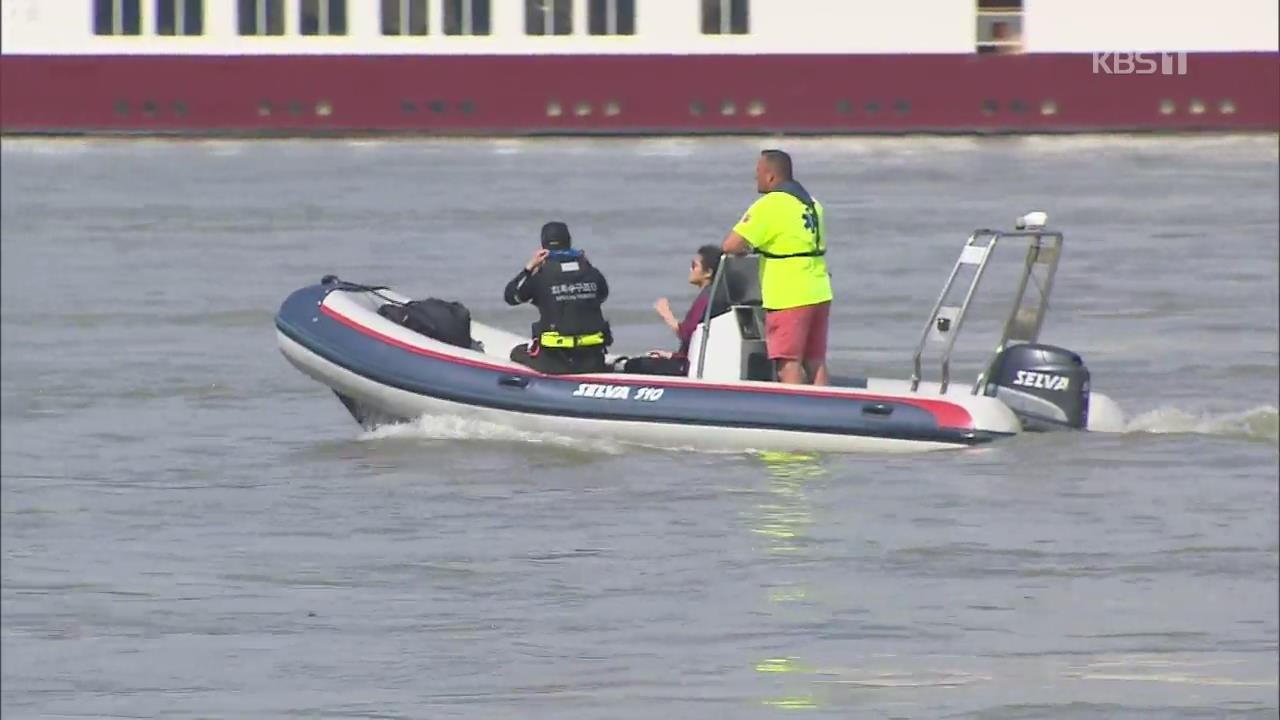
<point>519,290</point>
<point>602,286</point>
<point>663,307</point>
<point>684,330</point>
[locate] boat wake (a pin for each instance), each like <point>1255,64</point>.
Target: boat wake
<point>1260,423</point>
<point>445,427</point>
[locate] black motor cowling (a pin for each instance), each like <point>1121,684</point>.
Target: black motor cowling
<point>1047,387</point>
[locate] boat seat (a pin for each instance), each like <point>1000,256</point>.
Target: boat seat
<point>742,279</point>
<point>740,291</point>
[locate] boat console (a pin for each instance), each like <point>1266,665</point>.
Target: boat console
<point>731,346</point>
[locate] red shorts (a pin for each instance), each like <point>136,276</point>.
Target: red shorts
<point>798,333</point>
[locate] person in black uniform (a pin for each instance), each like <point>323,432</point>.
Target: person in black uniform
<point>571,334</point>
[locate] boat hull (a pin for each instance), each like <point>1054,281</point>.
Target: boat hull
<point>382,370</point>
<point>586,94</point>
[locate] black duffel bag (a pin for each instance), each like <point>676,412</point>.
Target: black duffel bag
<point>448,322</point>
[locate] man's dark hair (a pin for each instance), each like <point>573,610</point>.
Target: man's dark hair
<point>710,256</point>
<point>779,162</point>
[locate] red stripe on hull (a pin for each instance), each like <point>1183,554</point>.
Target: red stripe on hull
<point>946,414</point>
<point>295,94</point>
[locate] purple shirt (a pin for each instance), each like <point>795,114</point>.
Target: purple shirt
<point>691,320</point>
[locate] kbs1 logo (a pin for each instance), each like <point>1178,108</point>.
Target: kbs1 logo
<point>1137,63</point>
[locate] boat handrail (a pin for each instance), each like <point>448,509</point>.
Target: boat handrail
<point>1023,323</point>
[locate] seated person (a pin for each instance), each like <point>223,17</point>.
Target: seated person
<point>702,271</point>
<point>571,334</point>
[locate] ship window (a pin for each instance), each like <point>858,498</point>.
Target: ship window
<point>404,17</point>
<point>180,17</point>
<point>261,17</point>
<point>323,17</point>
<point>999,26</point>
<point>721,17</point>
<point>611,17</point>
<point>117,17</point>
<point>548,17</point>
<point>466,17</point>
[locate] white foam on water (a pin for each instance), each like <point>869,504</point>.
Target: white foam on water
<point>46,145</point>
<point>1261,423</point>
<point>447,427</point>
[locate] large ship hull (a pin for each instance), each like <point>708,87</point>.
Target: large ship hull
<point>640,94</point>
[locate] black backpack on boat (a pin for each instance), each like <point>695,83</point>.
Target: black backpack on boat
<point>448,322</point>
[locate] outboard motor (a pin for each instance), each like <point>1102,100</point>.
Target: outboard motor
<point>1047,387</point>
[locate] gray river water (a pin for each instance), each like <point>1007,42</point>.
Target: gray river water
<point>191,528</point>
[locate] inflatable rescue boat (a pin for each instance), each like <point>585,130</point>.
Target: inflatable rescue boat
<point>384,372</point>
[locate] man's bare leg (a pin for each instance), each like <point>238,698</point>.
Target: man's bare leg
<point>817,369</point>
<point>791,371</point>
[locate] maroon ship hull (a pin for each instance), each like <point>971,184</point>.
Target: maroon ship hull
<point>657,94</point>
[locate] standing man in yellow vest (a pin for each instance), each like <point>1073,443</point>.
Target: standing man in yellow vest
<point>787,228</point>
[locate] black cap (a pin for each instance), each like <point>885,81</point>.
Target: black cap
<point>555,236</point>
